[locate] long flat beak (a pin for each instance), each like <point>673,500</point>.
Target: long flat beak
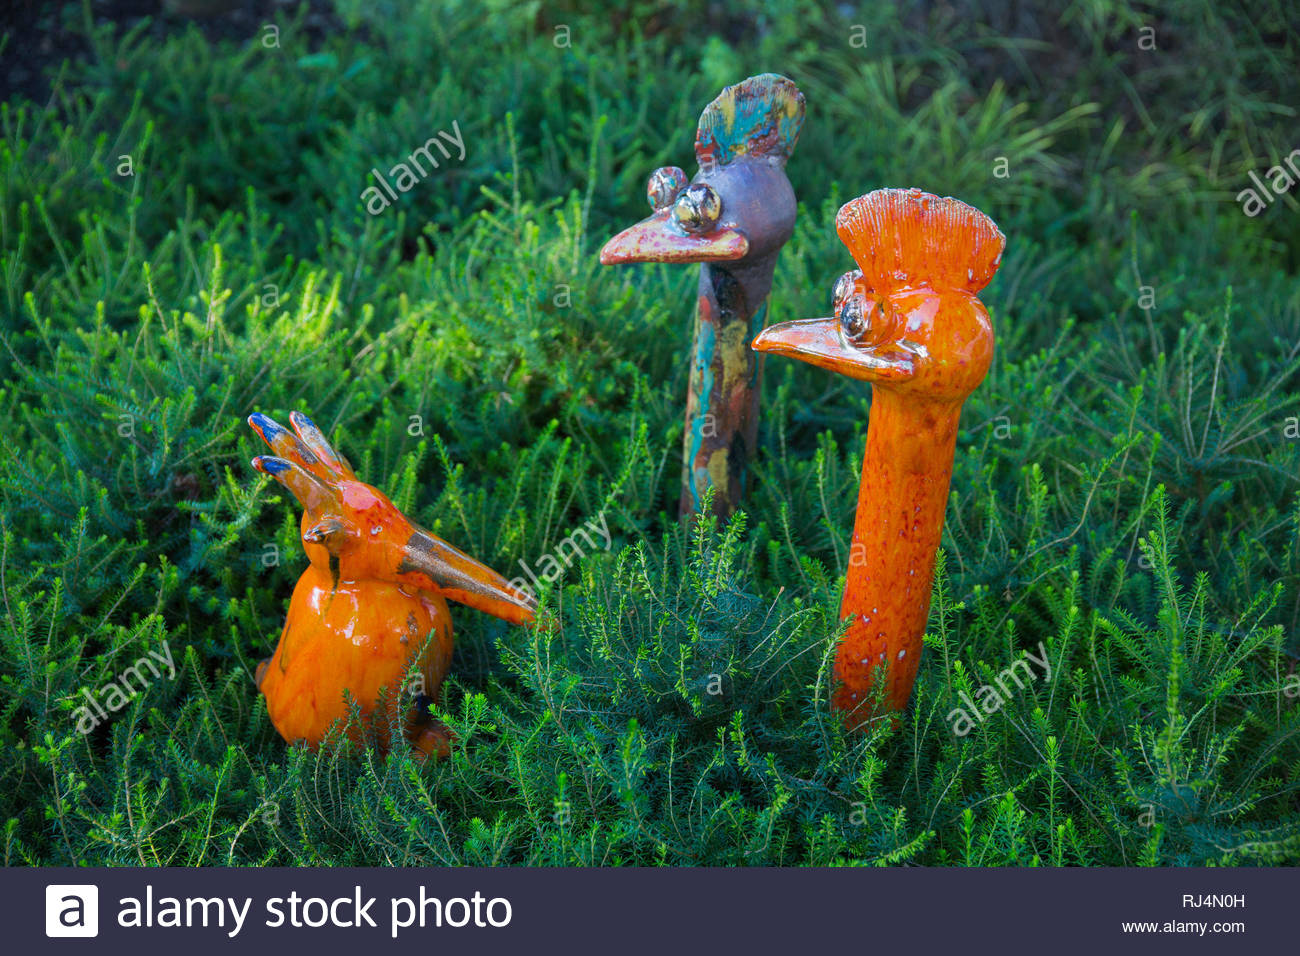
<point>821,342</point>
<point>458,577</point>
<point>657,240</point>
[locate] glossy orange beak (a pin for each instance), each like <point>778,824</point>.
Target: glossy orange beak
<point>432,564</point>
<point>657,239</point>
<point>822,342</point>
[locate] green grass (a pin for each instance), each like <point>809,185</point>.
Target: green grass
<point>1125,488</point>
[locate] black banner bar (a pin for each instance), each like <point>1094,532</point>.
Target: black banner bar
<point>624,911</point>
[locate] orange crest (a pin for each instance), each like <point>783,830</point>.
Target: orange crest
<point>905,238</point>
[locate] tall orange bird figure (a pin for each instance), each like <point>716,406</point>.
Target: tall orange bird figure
<point>909,322</point>
<point>372,600</point>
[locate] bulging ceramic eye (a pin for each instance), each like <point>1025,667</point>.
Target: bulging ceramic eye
<point>854,319</point>
<point>330,532</point>
<point>698,208</point>
<point>664,185</point>
<point>844,287</point>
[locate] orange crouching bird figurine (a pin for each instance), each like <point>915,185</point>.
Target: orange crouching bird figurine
<point>908,322</point>
<point>376,588</point>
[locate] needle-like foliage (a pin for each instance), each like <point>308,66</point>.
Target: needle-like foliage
<point>1125,497</point>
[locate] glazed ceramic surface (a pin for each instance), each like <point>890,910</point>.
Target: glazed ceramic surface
<point>372,602</point>
<point>908,321</point>
<point>732,218</point>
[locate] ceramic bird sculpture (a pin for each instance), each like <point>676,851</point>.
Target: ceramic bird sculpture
<point>733,218</point>
<point>372,600</point>
<point>909,322</point>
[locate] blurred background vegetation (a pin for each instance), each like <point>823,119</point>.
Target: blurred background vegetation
<point>1125,488</point>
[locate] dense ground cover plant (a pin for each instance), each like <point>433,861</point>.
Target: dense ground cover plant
<point>1124,490</point>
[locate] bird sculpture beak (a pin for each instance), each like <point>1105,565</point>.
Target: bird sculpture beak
<point>458,577</point>
<point>822,342</point>
<point>657,239</point>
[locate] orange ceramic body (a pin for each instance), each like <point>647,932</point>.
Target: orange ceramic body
<point>357,638</point>
<point>371,603</point>
<point>908,322</point>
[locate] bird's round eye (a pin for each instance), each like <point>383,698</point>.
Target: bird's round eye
<point>330,532</point>
<point>844,287</point>
<point>665,184</point>
<point>698,208</point>
<point>854,319</point>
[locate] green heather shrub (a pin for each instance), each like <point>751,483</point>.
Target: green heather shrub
<point>1124,494</point>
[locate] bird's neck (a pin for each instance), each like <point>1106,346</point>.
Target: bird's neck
<point>751,275</point>
<point>722,400</point>
<point>733,295</point>
<point>896,533</point>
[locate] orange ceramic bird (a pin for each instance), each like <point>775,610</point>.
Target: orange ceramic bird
<point>376,588</point>
<point>908,322</point>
